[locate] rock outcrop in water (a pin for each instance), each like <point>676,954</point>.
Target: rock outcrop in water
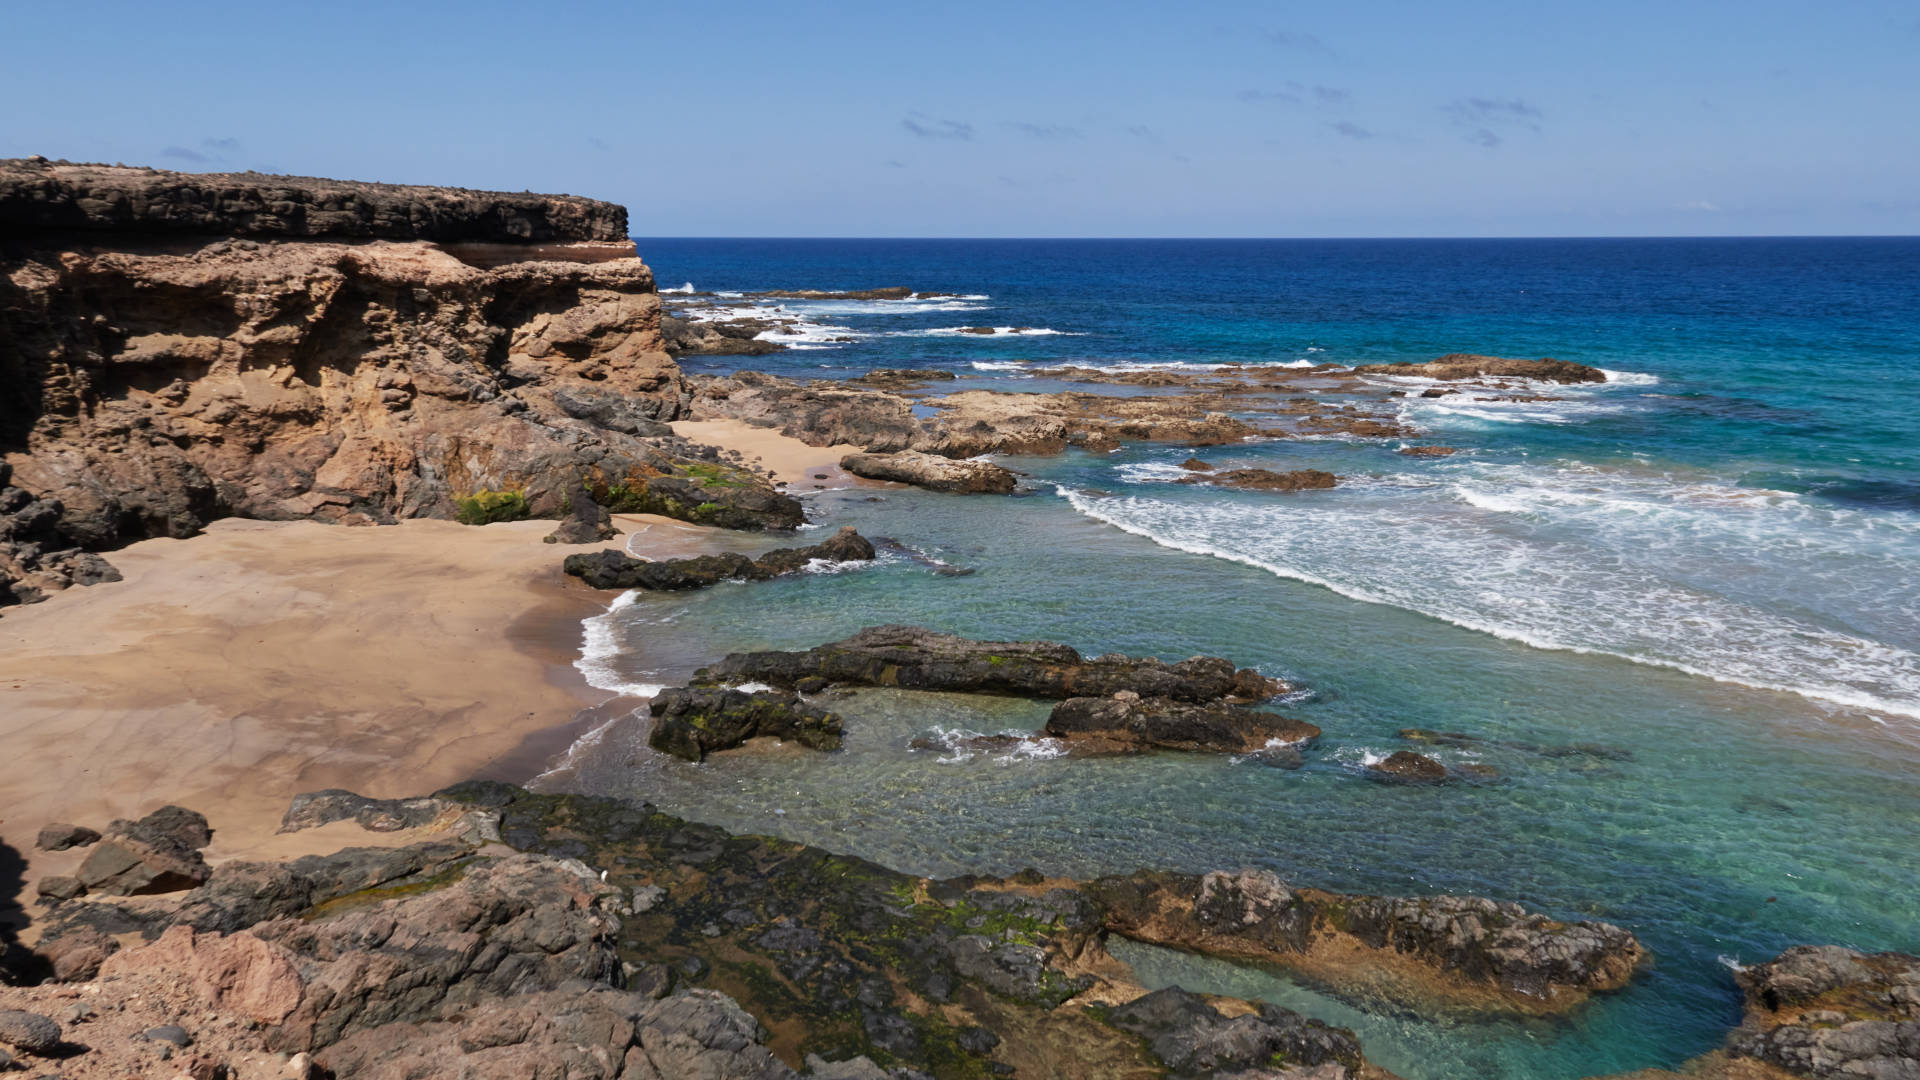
<point>1455,951</point>
<point>1262,479</point>
<point>932,471</point>
<point>612,569</point>
<point>1832,1012</point>
<point>1455,366</point>
<point>1128,721</point>
<point>692,722</point>
<point>176,348</point>
<point>912,658</point>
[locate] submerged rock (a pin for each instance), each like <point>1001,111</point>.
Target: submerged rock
<point>1194,1039</point>
<point>1163,723</point>
<point>932,471</point>
<point>1427,451</point>
<point>1405,766</point>
<point>612,569</point>
<point>692,722</point>
<point>913,658</point>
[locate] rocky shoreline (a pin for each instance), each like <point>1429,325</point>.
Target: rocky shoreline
<point>184,348</point>
<point>525,930</point>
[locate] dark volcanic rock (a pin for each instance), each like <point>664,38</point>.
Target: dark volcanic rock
<point>61,836</point>
<point>1175,725</point>
<point>158,853</point>
<point>932,471</point>
<point>1824,1011</point>
<point>313,809</point>
<point>1405,766</point>
<point>596,1033</point>
<point>587,522</point>
<point>1194,1039</point>
<point>693,337</point>
<point>37,556</point>
<point>28,1032</point>
<point>617,570</point>
<point>692,722</point>
<point>58,195</point>
<point>1265,479</point>
<point>544,924</point>
<point>1470,365</point>
<point>1498,954</point>
<point>1194,464</point>
<point>902,378</point>
<point>912,658</point>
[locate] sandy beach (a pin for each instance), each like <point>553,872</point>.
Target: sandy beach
<point>233,670</point>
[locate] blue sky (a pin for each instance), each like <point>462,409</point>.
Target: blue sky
<point>1031,119</point>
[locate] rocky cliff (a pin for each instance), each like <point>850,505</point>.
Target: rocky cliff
<point>176,348</point>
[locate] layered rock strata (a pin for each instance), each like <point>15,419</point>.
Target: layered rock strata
<point>617,570</point>
<point>178,348</point>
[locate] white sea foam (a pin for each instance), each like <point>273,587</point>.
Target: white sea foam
<point>1757,588</point>
<point>600,643</point>
<point>998,332</point>
<point>1149,472</point>
<point>841,308</point>
<point>1302,363</point>
<point>1630,378</point>
<point>999,365</point>
<point>752,687</point>
<point>953,745</point>
<point>684,290</point>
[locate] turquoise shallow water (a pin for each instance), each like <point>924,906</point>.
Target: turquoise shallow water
<point>1677,614</point>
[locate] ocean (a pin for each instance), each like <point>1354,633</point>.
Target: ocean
<point>1678,612</point>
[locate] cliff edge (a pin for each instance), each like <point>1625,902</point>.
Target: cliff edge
<point>176,348</point>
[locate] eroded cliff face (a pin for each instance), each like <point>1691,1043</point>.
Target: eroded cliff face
<point>178,348</point>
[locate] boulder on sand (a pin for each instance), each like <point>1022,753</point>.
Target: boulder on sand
<point>158,853</point>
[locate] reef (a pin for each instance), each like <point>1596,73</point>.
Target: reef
<point>912,658</point>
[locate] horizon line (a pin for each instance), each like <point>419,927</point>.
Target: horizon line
<point>1263,239</point>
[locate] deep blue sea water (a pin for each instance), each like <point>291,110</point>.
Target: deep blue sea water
<point>1679,612</point>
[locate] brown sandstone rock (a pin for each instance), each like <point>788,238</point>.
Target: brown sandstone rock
<point>932,472</point>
